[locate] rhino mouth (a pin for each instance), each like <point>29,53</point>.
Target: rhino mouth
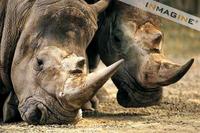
<point>132,94</point>
<point>35,111</point>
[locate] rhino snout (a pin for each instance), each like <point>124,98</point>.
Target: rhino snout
<point>36,114</point>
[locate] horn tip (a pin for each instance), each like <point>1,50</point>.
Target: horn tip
<point>190,62</point>
<point>118,63</point>
<point>121,60</point>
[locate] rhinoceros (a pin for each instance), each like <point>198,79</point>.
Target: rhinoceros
<point>43,59</point>
<point>134,35</point>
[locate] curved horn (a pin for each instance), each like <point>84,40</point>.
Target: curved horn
<point>162,72</point>
<point>94,82</point>
<point>178,74</point>
<point>100,6</point>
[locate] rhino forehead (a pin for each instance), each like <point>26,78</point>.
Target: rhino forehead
<point>76,8</point>
<point>61,24</point>
<point>129,13</point>
<point>64,27</point>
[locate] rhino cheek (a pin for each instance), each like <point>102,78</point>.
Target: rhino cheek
<point>22,81</point>
<point>52,84</point>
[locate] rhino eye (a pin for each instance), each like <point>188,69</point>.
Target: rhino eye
<point>117,39</point>
<point>39,64</point>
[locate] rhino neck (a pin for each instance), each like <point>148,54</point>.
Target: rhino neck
<point>15,17</point>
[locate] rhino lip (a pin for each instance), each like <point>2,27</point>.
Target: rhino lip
<point>131,90</point>
<point>49,113</point>
<point>42,114</point>
<point>135,83</point>
<point>37,107</point>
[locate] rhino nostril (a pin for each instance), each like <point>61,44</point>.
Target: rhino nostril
<point>80,63</point>
<point>77,70</point>
<point>35,116</point>
<point>79,66</point>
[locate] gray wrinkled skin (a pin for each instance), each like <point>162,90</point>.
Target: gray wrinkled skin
<point>134,35</point>
<point>43,58</point>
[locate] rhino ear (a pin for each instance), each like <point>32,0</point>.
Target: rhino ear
<point>100,6</point>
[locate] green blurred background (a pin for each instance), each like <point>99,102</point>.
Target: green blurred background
<point>181,41</point>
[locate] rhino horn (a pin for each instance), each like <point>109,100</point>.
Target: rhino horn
<point>94,82</point>
<point>176,75</point>
<point>100,6</point>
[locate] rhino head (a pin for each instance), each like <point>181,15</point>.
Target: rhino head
<point>49,68</point>
<point>135,36</point>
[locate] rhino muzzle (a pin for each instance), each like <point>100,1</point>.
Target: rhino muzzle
<point>36,114</point>
<point>76,97</point>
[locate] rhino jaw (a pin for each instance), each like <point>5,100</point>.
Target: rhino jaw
<point>162,72</point>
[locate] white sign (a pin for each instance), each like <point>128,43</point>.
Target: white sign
<point>166,12</point>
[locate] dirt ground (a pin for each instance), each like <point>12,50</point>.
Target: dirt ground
<point>179,111</point>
